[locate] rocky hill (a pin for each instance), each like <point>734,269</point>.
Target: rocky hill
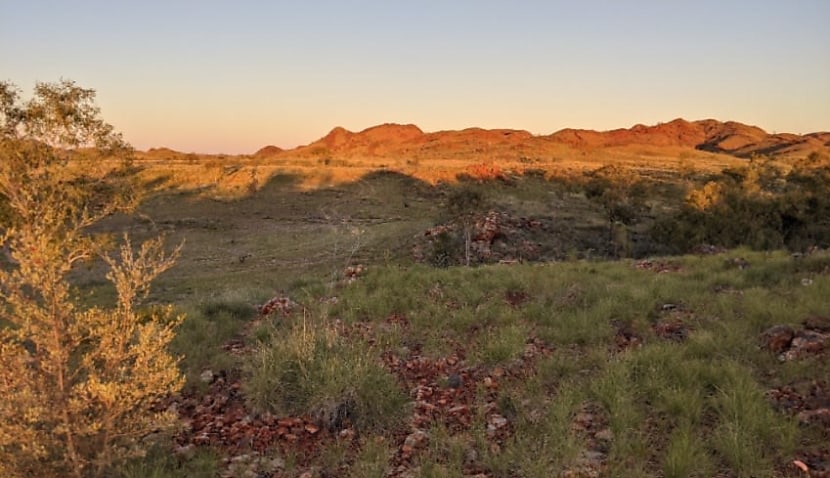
<point>710,135</point>
<point>267,151</point>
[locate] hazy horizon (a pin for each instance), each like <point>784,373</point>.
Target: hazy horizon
<point>231,78</point>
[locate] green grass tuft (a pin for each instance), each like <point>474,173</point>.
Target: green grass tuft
<point>311,369</point>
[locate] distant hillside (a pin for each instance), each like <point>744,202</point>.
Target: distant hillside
<point>710,135</point>
<point>267,151</point>
<point>343,156</point>
<point>398,141</point>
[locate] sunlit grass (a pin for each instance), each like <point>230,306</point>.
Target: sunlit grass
<point>690,407</point>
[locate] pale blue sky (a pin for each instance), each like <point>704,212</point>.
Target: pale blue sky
<point>210,76</point>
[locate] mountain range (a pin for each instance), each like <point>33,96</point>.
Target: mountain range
<point>398,140</point>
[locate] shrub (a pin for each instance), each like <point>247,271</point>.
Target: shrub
<point>755,206</point>
<point>79,384</point>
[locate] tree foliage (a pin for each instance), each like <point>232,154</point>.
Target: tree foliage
<point>622,196</point>
<point>79,383</point>
<point>762,205</point>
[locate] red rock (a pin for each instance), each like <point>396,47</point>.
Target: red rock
<point>809,342</point>
<point>459,409</point>
<point>626,337</point>
<point>498,421</point>
<point>671,330</point>
<point>416,439</point>
<point>778,338</point>
<point>817,323</point>
<point>286,422</point>
<point>516,298</point>
<point>820,416</point>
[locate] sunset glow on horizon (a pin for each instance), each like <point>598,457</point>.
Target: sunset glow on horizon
<point>222,77</point>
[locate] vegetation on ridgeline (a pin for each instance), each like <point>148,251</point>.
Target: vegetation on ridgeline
<point>509,323</point>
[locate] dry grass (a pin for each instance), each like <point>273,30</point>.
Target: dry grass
<point>223,176</point>
<point>691,408</point>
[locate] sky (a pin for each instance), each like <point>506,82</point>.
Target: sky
<point>233,76</point>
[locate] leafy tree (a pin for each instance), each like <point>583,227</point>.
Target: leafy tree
<point>621,195</point>
<point>755,205</point>
<point>806,216</point>
<point>78,383</point>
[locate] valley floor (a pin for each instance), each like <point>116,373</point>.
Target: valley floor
<point>316,345</point>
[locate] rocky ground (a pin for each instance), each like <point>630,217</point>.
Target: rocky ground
<point>807,400</point>
<point>445,391</point>
<point>452,393</point>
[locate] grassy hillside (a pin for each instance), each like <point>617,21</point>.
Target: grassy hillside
<point>631,368</point>
<point>321,340</point>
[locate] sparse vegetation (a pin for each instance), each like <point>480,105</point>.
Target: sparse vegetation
<point>627,368</point>
<point>545,359</point>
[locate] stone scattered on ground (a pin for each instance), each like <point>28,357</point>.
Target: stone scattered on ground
<point>448,392</point>
<point>817,323</point>
<point>220,418</point>
<point>592,426</point>
<point>778,338</point>
<point>809,402</point>
<point>806,400</point>
<point>277,305</point>
<point>496,237</point>
<point>626,337</point>
<point>352,273</point>
<point>674,322</point>
<point>671,329</point>
<point>658,266</point>
<point>516,298</point>
<point>789,343</point>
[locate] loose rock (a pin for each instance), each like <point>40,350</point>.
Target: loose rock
<point>778,338</point>
<point>206,376</point>
<point>817,323</point>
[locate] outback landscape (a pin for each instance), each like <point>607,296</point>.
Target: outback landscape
<point>478,303</point>
<point>587,338</point>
